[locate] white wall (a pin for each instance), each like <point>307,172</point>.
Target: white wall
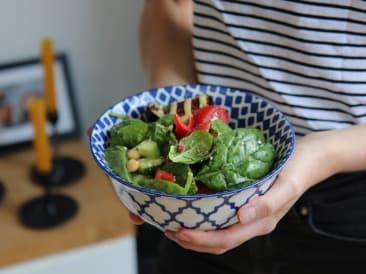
<point>99,36</point>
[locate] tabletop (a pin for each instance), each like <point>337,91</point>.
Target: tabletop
<point>100,216</point>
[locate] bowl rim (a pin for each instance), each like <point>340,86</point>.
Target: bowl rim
<point>148,191</point>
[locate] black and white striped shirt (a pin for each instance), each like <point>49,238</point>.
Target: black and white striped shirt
<point>307,57</point>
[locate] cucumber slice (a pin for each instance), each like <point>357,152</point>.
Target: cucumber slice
<point>148,149</point>
<point>148,165</point>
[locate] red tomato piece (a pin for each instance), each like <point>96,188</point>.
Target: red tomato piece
<point>205,115</point>
<point>182,129</point>
<point>203,126</point>
<point>161,174</point>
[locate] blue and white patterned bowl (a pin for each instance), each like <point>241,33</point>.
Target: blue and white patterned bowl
<point>202,211</point>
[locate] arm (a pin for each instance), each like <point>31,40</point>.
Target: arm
<point>165,42</point>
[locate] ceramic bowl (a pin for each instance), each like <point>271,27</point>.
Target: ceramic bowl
<point>199,211</point>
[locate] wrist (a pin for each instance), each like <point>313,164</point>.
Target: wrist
<point>319,156</point>
<point>342,149</point>
<point>348,151</point>
<point>332,155</point>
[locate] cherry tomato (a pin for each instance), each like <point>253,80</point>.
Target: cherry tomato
<point>182,129</point>
<point>161,174</point>
<point>205,115</point>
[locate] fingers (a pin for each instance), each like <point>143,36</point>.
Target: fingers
<point>88,132</point>
<point>282,195</point>
<point>193,246</point>
<point>259,217</point>
<point>199,240</point>
<point>136,219</point>
<point>221,241</point>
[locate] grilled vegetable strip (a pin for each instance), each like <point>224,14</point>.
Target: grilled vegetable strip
<point>183,108</point>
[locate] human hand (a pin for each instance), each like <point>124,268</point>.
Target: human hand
<point>134,218</point>
<point>309,165</point>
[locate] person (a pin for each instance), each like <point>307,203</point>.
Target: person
<point>309,59</point>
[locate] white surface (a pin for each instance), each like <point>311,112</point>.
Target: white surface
<point>112,257</point>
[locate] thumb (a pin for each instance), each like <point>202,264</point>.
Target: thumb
<point>282,194</point>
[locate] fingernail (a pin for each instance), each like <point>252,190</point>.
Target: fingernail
<point>183,237</point>
<point>248,215</point>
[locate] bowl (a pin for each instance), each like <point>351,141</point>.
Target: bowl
<point>198,211</point>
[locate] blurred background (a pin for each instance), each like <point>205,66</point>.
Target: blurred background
<point>100,39</point>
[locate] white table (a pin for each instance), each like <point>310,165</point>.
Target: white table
<point>112,257</point>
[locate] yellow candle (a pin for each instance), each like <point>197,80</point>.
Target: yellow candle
<point>47,58</point>
<point>41,142</point>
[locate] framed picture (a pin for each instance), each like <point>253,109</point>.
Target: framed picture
<point>22,81</point>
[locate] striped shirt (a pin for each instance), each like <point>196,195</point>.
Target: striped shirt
<point>306,57</point>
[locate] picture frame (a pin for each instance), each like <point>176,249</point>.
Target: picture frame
<point>22,80</point>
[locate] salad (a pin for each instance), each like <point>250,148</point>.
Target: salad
<point>189,148</point>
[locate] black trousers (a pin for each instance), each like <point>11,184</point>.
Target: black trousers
<point>325,232</point>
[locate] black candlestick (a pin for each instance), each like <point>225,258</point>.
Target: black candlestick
<point>47,210</point>
<point>67,169</point>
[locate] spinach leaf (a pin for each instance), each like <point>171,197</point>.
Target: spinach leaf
<point>163,185</point>
<point>181,173</point>
<point>239,157</point>
<point>129,133</point>
<point>220,127</point>
<point>161,134</point>
<point>192,149</point>
<point>116,157</point>
<point>258,163</point>
<point>166,120</point>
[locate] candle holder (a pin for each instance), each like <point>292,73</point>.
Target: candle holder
<point>68,169</point>
<point>49,209</point>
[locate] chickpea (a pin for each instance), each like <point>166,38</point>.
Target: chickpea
<point>132,165</point>
<point>133,154</point>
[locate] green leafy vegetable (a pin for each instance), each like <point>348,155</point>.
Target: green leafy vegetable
<point>181,173</point>
<point>166,120</point>
<point>220,127</point>
<point>160,133</point>
<point>192,149</point>
<point>116,157</point>
<point>259,161</point>
<point>129,133</point>
<point>239,157</point>
<point>163,185</point>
